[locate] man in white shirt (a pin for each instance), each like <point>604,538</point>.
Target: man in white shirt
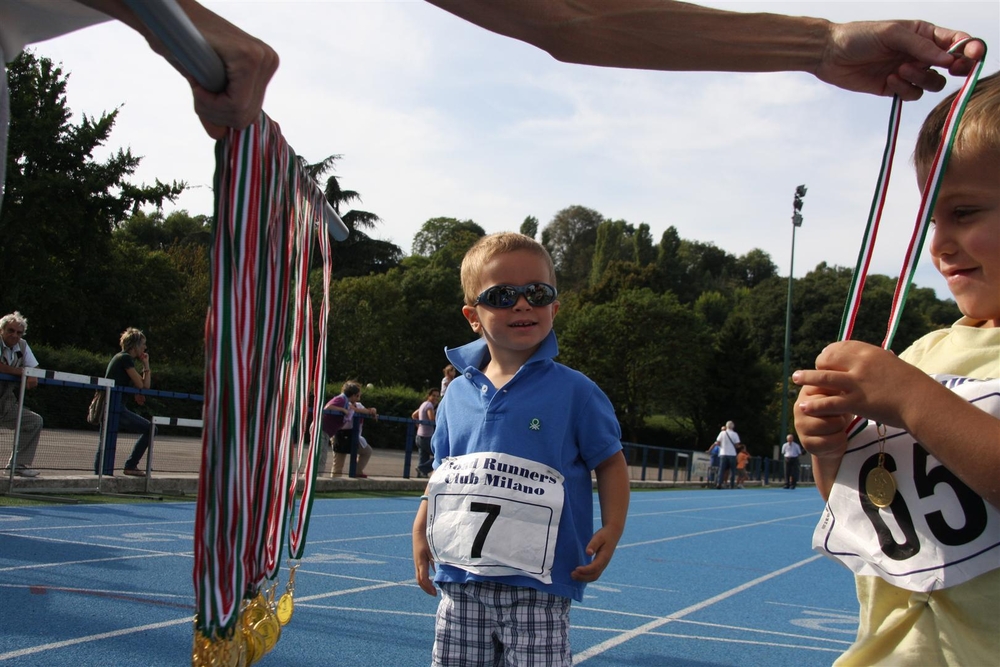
<point>791,451</point>
<point>16,355</point>
<point>728,440</point>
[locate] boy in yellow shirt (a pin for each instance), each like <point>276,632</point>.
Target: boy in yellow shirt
<point>956,444</point>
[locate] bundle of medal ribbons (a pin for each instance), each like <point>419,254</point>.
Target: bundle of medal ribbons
<point>264,354</point>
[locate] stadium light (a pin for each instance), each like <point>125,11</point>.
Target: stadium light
<point>800,193</point>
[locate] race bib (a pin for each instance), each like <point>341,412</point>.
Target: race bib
<point>935,533</point>
<point>495,514</point>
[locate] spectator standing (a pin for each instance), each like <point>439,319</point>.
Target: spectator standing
<point>790,452</point>
<point>742,459</point>
<point>16,355</point>
<point>728,440</point>
<point>713,463</point>
<point>449,375</point>
<point>426,413</point>
<point>122,369</point>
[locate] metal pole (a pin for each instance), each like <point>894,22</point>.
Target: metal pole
<point>800,192</point>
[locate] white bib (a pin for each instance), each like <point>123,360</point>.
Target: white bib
<point>936,533</point>
<point>495,514</point>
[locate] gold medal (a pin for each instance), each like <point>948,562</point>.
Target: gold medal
<point>286,607</point>
<point>880,487</point>
<point>269,631</point>
<point>254,646</point>
<point>286,604</point>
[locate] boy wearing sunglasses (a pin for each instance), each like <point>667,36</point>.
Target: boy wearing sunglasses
<point>507,520</point>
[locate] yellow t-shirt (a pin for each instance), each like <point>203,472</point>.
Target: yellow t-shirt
<point>958,625</point>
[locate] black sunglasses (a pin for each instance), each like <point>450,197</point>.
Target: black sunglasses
<point>505,296</point>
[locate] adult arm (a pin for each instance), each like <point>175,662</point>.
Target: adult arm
<point>857,378</point>
<point>249,64</point>
<point>878,57</point>
<point>18,371</point>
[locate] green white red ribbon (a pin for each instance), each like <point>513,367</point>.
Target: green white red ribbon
<point>924,214</point>
<point>260,362</point>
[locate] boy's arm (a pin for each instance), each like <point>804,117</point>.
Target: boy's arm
<point>422,560</point>
<point>858,378</point>
<point>613,492</point>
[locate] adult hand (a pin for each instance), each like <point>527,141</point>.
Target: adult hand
<point>894,57</point>
<point>249,64</point>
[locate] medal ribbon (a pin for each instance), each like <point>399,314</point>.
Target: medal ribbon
<point>258,341</point>
<point>928,197</point>
<point>924,213</point>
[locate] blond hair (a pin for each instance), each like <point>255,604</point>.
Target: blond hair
<point>979,130</point>
<point>492,245</point>
<point>130,338</point>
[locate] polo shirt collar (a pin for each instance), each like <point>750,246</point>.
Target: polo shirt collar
<point>476,353</point>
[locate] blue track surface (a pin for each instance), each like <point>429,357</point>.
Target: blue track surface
<point>700,578</point>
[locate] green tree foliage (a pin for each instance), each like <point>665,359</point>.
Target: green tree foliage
<point>645,350</point>
<point>530,226</point>
<point>570,238</point>
<point>359,254</point>
<point>59,211</point>
<point>438,234</point>
<point>740,386</point>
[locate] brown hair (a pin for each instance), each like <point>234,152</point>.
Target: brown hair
<point>978,131</point>
<point>488,247</point>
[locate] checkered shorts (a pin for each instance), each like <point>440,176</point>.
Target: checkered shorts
<point>489,624</point>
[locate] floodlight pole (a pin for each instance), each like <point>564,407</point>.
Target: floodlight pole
<point>800,193</point>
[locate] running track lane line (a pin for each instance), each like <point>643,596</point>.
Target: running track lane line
<point>652,625</point>
<point>20,653</point>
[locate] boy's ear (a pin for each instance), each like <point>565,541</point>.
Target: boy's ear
<point>555,308</point>
<point>472,315</point>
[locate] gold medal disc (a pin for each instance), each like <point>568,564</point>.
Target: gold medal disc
<point>269,632</point>
<point>880,487</point>
<point>286,607</point>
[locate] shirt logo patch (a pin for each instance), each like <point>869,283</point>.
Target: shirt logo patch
<point>535,424</point>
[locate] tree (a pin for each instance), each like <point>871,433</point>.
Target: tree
<point>643,349</point>
<point>570,237</point>
<point>530,226</point>
<point>438,233</point>
<point>754,268</point>
<point>60,208</point>
<point>359,254</point>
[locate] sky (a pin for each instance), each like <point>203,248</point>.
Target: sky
<point>437,117</point>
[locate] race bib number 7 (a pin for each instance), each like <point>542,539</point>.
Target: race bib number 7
<point>495,514</point>
<point>935,533</point>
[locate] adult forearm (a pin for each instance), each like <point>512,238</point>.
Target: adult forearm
<point>653,34</point>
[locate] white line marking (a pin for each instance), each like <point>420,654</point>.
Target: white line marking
<point>715,530</point>
<point>652,625</point>
<point>20,653</point>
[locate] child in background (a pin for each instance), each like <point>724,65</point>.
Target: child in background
<point>960,624</point>
<point>742,459</point>
<point>519,435</point>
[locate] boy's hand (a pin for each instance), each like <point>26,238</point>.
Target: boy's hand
<point>602,547</point>
<point>423,562</point>
<point>860,379</point>
<point>821,436</point>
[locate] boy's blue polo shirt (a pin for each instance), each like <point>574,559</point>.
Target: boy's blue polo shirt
<point>547,413</point>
